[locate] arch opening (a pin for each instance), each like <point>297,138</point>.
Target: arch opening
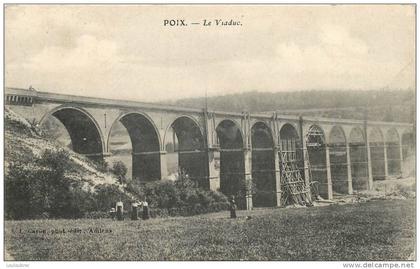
<point>185,150</point>
<point>263,166</point>
<point>76,130</point>
<point>408,143</point>
<point>133,138</point>
<point>393,152</point>
<point>377,157</point>
<point>338,161</point>
<point>232,163</point>
<point>409,154</point>
<point>315,145</point>
<point>358,159</point>
<point>291,158</point>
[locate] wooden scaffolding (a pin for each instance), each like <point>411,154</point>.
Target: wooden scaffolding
<point>294,188</point>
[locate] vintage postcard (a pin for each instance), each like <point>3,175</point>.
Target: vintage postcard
<point>210,132</point>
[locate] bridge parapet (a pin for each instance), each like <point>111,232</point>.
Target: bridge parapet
<point>38,96</point>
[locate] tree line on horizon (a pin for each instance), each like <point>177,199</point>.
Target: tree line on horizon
<point>383,104</point>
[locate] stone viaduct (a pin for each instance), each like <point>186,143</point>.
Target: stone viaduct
<point>231,152</point>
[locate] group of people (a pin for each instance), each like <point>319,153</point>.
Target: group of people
<point>118,211</point>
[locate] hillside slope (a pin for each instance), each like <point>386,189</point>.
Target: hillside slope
<point>24,143</point>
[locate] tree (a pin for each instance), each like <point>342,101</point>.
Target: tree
<point>120,170</point>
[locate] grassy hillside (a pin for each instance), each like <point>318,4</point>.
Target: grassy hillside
<point>385,104</point>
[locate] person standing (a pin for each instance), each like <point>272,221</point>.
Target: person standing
<point>145,210</point>
<point>112,213</point>
<point>120,210</point>
<point>134,214</point>
<point>232,207</point>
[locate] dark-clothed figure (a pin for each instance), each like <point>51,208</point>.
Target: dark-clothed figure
<point>134,214</point>
<point>232,208</point>
<point>112,213</point>
<point>120,210</point>
<point>145,210</point>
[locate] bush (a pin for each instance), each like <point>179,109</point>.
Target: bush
<point>161,194</point>
<point>17,193</point>
<point>134,189</point>
<point>80,202</point>
<point>182,197</point>
<point>120,170</point>
<point>41,189</point>
<point>106,196</point>
<point>99,163</point>
<point>183,192</point>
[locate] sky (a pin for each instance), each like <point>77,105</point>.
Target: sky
<point>126,51</point>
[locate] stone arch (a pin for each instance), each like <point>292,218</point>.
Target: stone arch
<point>232,122</point>
<point>229,135</point>
<point>144,115</point>
<point>337,135</point>
<point>288,130</point>
<point>145,145</point>
<point>263,166</point>
<point>356,135</point>
<point>358,159</point>
<point>316,147</point>
<point>392,139</point>
<point>290,156</point>
<point>185,147</point>
<point>85,133</point>
<point>264,134</point>
<point>377,157</point>
<point>375,135</point>
<point>192,123</point>
<point>232,163</point>
<point>338,160</point>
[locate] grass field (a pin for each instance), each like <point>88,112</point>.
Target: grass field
<point>377,230</point>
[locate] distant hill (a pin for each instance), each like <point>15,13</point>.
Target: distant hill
<point>383,105</point>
